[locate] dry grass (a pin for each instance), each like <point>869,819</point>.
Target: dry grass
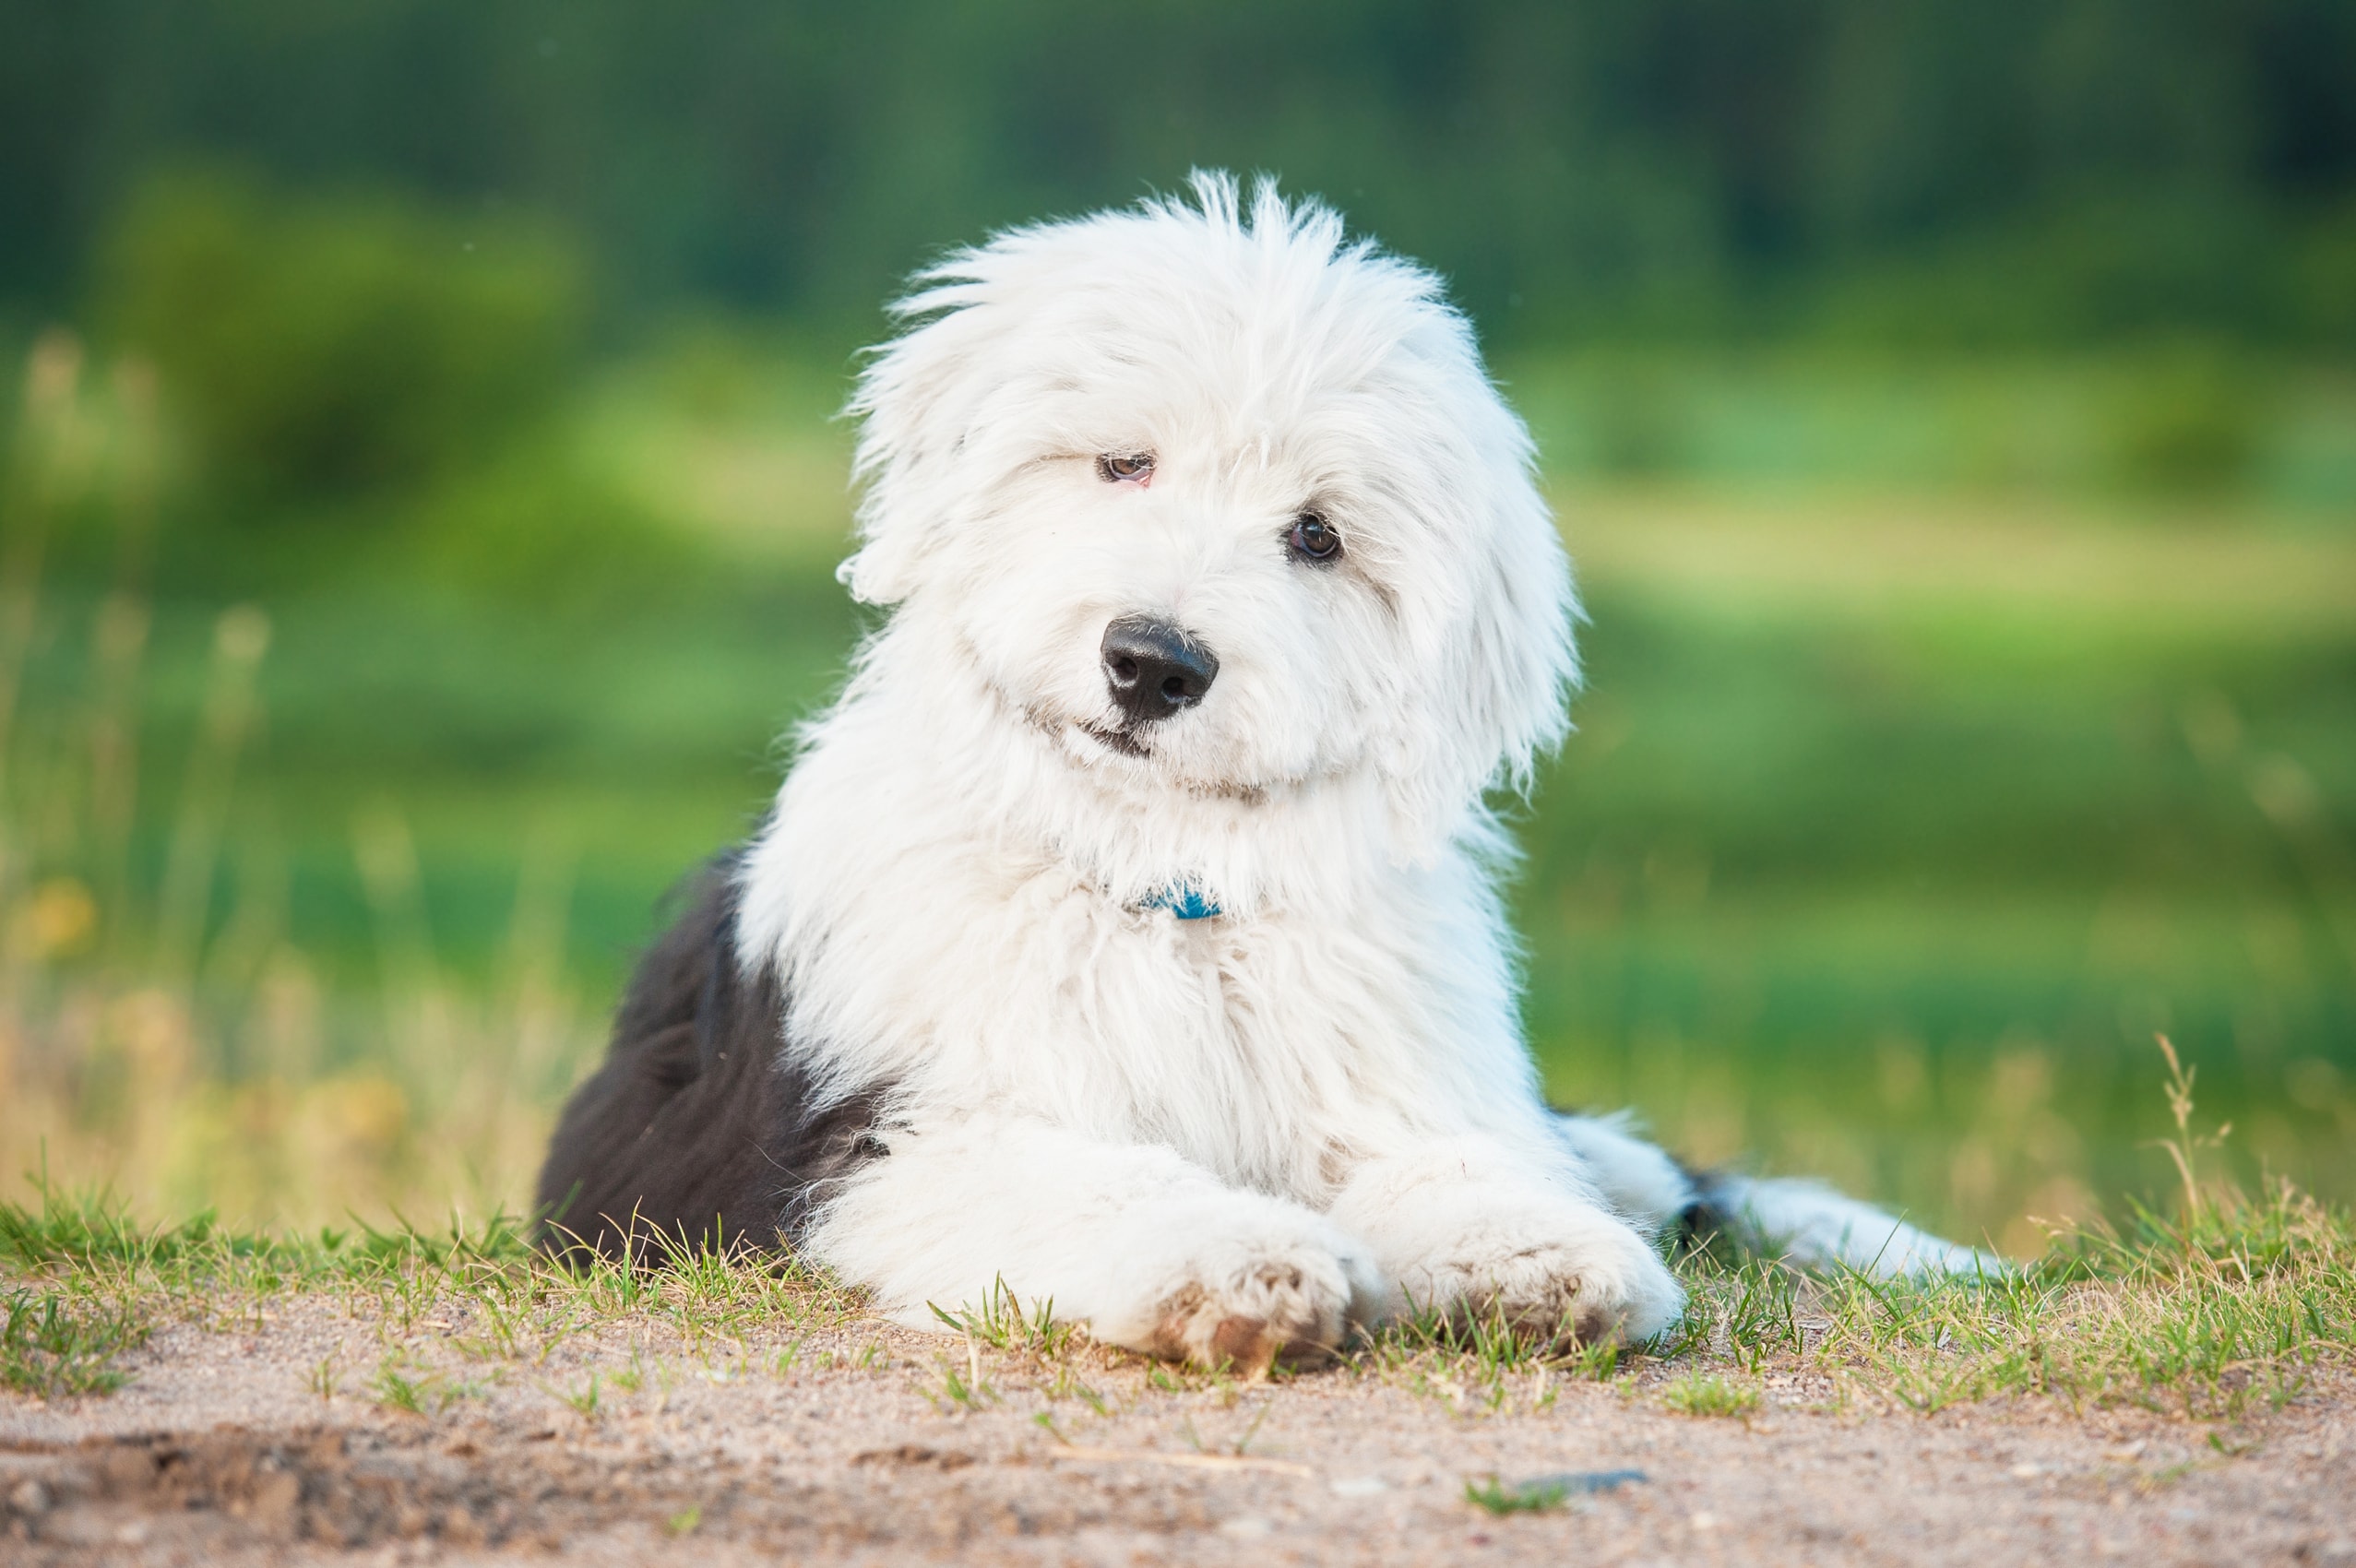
<point>125,995</point>
<point>2227,1305</point>
<point>2210,1316</point>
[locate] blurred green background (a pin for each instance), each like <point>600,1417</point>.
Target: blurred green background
<point>422,496</point>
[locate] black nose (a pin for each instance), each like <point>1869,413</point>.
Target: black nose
<point>1154,668</point>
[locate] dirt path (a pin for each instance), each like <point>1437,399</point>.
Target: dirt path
<point>223,1450</point>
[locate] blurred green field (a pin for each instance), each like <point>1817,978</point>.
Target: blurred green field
<point>1898,826</point>
<point>1914,790</point>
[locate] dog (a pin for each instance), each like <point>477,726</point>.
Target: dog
<point>1126,935</point>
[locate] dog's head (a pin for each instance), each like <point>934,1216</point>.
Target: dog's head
<point>1219,502</point>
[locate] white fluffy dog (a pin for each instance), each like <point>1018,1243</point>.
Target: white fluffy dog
<point>1128,930</point>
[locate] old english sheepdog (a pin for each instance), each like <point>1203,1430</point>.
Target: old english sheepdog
<point>1127,933</point>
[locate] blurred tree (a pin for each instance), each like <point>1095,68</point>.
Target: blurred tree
<point>1698,165</point>
<point>337,345</point>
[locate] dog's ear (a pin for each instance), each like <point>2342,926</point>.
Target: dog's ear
<point>1489,622</point>
<point>916,398</point>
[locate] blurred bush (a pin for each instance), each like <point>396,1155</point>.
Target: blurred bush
<point>2050,171</point>
<point>330,347</point>
<point>540,525</point>
<point>2324,279</point>
<point>2187,417</point>
<point>2107,267</point>
<point>2185,413</point>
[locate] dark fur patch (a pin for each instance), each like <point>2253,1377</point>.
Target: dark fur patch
<point>699,1129</point>
<point>1703,1220</point>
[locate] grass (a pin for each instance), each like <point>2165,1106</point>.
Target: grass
<point>966,1388</point>
<point>1030,1338</point>
<point>2223,1306</point>
<point>1709,1394</point>
<point>55,1345</point>
<point>2208,1318</point>
<point>1003,1323</point>
<point>450,1309</point>
<point>2220,1305</point>
<point>401,1384</point>
<point>1541,1493</point>
<point>585,1400</point>
<point>1496,1496</point>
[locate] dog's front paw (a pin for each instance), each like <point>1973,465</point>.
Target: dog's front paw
<point>1561,1272</point>
<point>1247,1304</point>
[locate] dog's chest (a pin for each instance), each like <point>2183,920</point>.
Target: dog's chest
<point>1217,1039</point>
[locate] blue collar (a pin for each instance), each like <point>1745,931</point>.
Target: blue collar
<point>1180,898</point>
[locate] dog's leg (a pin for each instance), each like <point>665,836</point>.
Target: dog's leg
<point>1463,1227</point>
<point>1812,1225</point>
<point>1149,1251</point>
<point>1806,1222</point>
<point>1640,1181</point>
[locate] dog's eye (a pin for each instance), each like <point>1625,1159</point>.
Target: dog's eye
<point>1133,468</point>
<point>1314,539</point>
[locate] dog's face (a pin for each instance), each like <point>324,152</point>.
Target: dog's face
<point>1219,506</point>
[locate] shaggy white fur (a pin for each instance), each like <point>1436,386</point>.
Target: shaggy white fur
<point>1226,1136</point>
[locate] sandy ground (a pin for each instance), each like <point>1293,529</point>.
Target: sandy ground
<point>223,1450</point>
